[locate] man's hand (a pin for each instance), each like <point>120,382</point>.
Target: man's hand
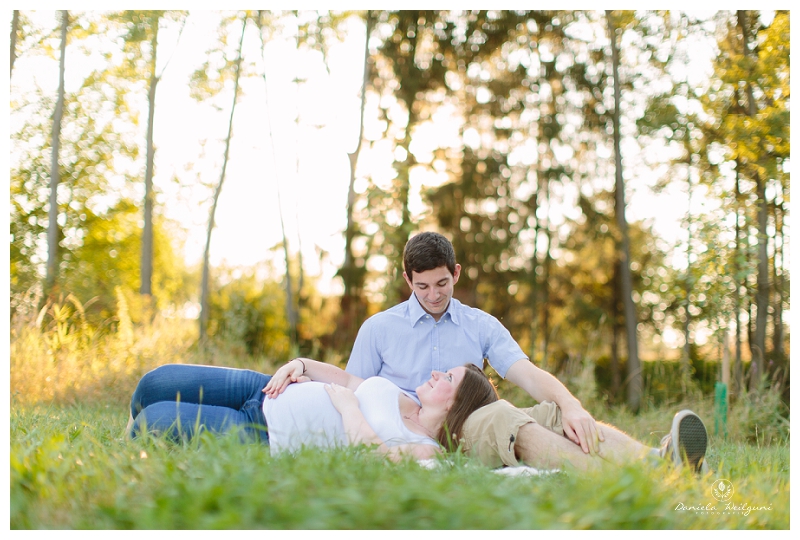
<point>581,428</point>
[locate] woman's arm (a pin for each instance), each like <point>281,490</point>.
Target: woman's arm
<point>359,431</point>
<point>305,369</point>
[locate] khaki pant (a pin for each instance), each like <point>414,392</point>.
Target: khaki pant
<point>491,431</point>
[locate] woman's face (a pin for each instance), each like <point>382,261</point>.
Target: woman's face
<point>440,390</point>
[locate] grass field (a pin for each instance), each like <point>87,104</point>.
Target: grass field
<point>71,467</point>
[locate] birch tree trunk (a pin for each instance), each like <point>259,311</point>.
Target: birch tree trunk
<point>14,30</point>
<point>778,279</point>
<point>291,313</point>
<point>53,231</point>
<point>626,282</point>
<point>146,270</point>
<point>688,283</point>
<point>349,272</point>
<point>204,293</point>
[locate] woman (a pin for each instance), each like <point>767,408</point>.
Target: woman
<point>329,408</point>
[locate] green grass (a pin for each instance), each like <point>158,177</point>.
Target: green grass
<point>72,469</point>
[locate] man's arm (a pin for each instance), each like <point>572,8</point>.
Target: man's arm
<point>365,358</point>
<point>578,424</point>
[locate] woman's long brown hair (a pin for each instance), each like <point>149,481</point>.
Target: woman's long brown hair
<point>475,391</point>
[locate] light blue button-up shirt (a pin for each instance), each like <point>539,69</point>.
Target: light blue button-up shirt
<point>404,343</point>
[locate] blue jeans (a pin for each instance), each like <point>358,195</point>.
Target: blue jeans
<point>183,399</point>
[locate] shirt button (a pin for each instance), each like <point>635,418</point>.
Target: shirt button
<point>434,348</point>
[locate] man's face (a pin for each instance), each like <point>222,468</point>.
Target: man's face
<point>434,288</point>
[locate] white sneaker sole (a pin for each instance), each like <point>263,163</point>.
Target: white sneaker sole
<point>689,440</point>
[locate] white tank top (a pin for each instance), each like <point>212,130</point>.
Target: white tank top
<point>303,415</point>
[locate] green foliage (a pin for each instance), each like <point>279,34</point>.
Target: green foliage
<point>91,145</point>
<point>761,417</point>
<point>248,315</point>
<point>249,310</point>
<point>221,67</point>
<point>99,231</point>
<point>663,379</point>
<point>106,260</point>
<point>520,186</point>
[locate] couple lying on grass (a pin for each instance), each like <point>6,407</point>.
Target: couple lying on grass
<point>407,391</point>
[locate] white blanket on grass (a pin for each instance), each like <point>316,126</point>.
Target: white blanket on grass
<point>522,470</point>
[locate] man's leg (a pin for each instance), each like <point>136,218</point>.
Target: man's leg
<point>490,434</point>
<point>542,448</point>
<point>500,434</point>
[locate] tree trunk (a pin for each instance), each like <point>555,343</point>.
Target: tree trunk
<point>777,317</point>
<point>545,328</point>
<point>204,294</point>
<point>291,314</point>
<point>351,276</point>
<point>534,270</point>
<point>762,282</point>
<point>616,379</point>
<point>147,232</point>
<point>635,382</point>
<point>687,286</point>
<point>53,231</point>
<point>14,30</point>
<point>398,237</point>
<point>291,309</point>
<point>738,376</point>
<point>758,347</point>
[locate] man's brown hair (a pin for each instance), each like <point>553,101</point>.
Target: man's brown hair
<point>426,251</point>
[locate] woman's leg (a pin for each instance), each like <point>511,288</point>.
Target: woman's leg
<point>213,388</point>
<point>182,421</point>
<point>224,387</point>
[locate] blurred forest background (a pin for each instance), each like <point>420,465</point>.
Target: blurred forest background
<point>520,135</point>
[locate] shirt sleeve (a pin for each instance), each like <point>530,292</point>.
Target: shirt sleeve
<point>365,358</point>
<point>500,349</point>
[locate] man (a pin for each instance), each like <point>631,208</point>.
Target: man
<point>434,331</point>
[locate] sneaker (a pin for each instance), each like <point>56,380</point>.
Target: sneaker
<point>686,442</point>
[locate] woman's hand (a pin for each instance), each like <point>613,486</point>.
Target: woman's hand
<point>342,397</point>
<point>292,372</point>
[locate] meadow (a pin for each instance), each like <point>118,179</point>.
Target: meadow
<point>73,468</point>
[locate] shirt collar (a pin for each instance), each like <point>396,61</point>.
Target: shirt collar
<point>415,311</point>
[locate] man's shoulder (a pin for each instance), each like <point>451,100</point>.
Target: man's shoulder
<point>470,312</point>
<point>399,311</point>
